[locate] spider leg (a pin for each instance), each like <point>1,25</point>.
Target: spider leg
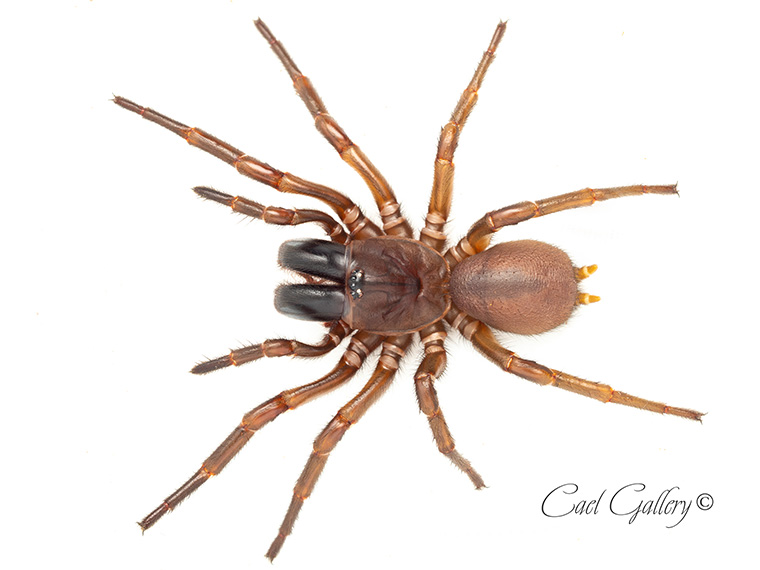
<point>276,347</point>
<point>274,215</point>
<point>479,235</point>
<point>347,210</point>
<point>483,338</point>
<point>430,369</point>
<point>362,344</point>
<point>392,352</point>
<point>393,222</point>
<point>443,175</point>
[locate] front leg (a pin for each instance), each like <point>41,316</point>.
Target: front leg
<point>362,344</point>
<point>348,212</point>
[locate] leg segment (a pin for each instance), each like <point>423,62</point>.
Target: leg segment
<point>479,236</point>
<point>393,222</point>
<point>273,215</point>
<point>483,339</point>
<point>347,211</point>
<point>430,369</point>
<point>361,345</point>
<point>393,351</point>
<point>276,347</point>
<point>443,177</point>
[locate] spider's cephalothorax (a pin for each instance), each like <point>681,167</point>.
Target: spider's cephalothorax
<point>380,287</point>
<point>385,285</point>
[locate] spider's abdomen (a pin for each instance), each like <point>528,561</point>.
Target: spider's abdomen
<point>395,285</point>
<point>523,287</point>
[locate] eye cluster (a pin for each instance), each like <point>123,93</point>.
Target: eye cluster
<point>355,281</point>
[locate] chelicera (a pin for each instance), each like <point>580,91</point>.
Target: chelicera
<point>381,287</point>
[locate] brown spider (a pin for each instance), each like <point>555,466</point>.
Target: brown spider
<point>381,286</point>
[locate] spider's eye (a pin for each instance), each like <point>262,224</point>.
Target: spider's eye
<point>355,281</point>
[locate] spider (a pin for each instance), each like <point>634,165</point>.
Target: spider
<point>381,287</point>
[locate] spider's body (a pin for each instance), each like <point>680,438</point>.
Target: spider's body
<point>390,285</point>
<point>381,287</point>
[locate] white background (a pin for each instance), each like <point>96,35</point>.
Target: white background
<point>117,279</point>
